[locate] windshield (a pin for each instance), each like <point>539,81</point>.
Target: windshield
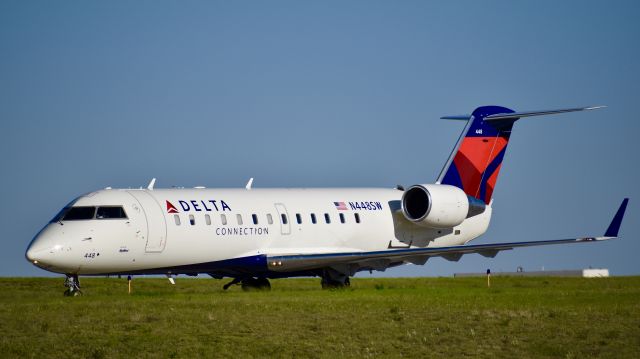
<point>110,213</point>
<point>58,217</point>
<point>89,212</point>
<point>78,213</point>
<point>63,211</point>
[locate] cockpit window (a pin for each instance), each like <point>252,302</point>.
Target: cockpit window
<point>63,211</point>
<point>78,213</point>
<point>60,214</point>
<point>110,213</point>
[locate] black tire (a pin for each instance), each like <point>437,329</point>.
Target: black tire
<point>330,284</point>
<point>251,284</point>
<point>334,284</point>
<point>263,284</point>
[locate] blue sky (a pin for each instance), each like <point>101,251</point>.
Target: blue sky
<point>324,94</point>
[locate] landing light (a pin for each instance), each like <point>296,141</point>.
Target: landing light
<point>35,262</point>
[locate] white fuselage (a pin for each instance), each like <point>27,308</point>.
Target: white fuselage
<point>255,234</point>
<point>171,231</point>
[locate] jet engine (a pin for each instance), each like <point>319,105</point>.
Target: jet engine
<point>439,206</point>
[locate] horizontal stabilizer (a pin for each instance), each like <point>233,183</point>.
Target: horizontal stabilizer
<point>458,118</point>
<point>516,115</point>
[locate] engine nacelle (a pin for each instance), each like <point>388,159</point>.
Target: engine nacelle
<point>438,206</point>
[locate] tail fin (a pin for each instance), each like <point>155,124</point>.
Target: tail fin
<point>476,159</point>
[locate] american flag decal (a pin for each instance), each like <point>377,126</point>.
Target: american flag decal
<point>340,206</point>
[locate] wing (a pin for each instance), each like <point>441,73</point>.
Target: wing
<point>354,261</point>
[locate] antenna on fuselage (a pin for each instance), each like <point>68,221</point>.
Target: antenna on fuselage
<point>151,184</point>
<point>248,186</point>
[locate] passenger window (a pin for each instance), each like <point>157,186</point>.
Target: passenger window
<point>327,219</point>
<point>223,219</point>
<point>110,213</point>
<point>207,219</point>
<point>192,220</point>
<point>255,218</point>
<point>341,217</point>
<point>78,213</point>
<point>284,218</point>
<point>239,218</point>
<point>313,218</point>
<point>269,218</point>
<point>298,218</point>
<point>176,218</point>
<point>357,217</point>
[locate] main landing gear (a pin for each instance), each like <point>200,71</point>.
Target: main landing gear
<point>332,279</point>
<point>73,286</point>
<point>250,283</point>
<point>328,283</point>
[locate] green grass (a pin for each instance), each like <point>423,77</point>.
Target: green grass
<point>411,317</point>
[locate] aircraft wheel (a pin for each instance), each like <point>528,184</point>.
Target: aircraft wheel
<point>263,284</point>
<point>334,284</point>
<point>69,293</point>
<point>250,284</point>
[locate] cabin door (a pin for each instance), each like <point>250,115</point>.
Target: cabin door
<point>283,218</point>
<point>156,224</point>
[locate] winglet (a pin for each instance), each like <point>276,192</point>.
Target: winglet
<point>614,227</point>
<point>151,184</point>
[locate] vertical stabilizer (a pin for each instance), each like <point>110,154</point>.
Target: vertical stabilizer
<point>475,162</point>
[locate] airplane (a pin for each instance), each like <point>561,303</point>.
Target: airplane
<point>252,235</point>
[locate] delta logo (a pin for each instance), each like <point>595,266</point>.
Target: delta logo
<point>171,208</point>
<point>198,206</point>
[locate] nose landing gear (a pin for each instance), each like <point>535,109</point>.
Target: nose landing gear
<point>73,286</point>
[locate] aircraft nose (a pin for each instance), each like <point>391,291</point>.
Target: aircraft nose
<point>41,244</point>
<point>31,255</point>
<point>35,250</point>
